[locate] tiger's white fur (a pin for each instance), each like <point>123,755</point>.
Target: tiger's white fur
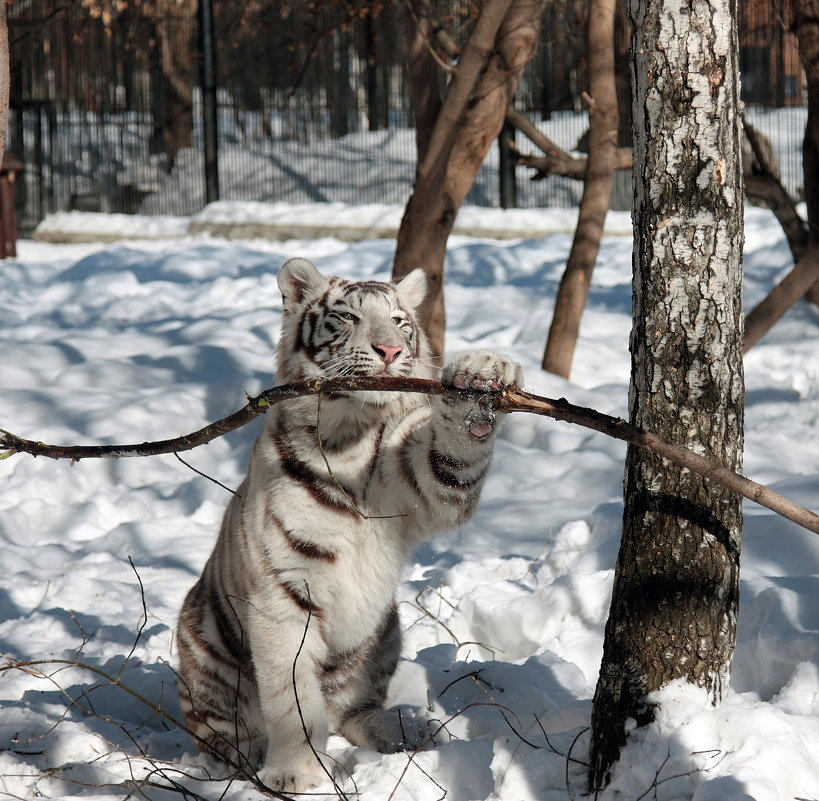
<point>306,565</point>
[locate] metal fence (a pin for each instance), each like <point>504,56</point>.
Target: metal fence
<point>313,100</point>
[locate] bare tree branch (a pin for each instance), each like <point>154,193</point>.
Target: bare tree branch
<point>534,134</point>
<point>764,183</point>
<point>510,400</point>
<point>779,300</point>
<point>555,160</point>
<point>567,165</point>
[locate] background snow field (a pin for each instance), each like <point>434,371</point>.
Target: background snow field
<point>503,619</point>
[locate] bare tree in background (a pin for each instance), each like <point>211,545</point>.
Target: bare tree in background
<point>676,588</point>
<point>806,27</point>
<point>175,21</point>
<point>764,183</point>
<point>594,205</point>
<point>5,78</point>
<point>455,132</point>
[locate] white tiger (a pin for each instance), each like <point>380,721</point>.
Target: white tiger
<point>291,632</point>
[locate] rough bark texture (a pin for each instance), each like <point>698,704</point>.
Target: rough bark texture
<point>594,205</point>
<point>806,26</point>
<point>467,123</point>
<point>675,597</point>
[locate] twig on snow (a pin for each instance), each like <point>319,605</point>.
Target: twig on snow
<point>37,669</point>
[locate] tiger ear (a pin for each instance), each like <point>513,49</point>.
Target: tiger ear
<point>412,288</point>
<point>299,279</point>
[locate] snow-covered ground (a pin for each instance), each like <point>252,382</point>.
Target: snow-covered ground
<point>503,620</point>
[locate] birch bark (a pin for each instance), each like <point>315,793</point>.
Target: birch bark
<point>676,588</point>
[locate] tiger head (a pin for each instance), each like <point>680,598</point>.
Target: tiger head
<point>333,328</point>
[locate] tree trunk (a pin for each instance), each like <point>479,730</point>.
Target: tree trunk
<point>468,121</point>
<point>594,205</point>
<point>339,98</point>
<point>622,196</point>
<point>175,26</point>
<point>424,74</point>
<point>5,79</point>
<point>676,587</point>
<point>806,26</point>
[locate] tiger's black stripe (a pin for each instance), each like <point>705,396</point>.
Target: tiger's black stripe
<point>297,565</point>
<point>310,550</point>
<point>322,489</point>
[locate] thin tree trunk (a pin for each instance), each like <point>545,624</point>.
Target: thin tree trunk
<point>594,205</point>
<point>467,123</point>
<point>424,74</point>
<point>806,26</point>
<point>5,78</point>
<point>175,27</point>
<point>676,588</point>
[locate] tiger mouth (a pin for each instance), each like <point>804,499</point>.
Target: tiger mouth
<point>384,372</point>
<point>369,372</point>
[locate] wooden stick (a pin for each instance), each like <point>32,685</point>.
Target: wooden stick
<point>510,400</point>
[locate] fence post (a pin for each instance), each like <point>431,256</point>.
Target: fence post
<point>209,107</point>
<point>508,182</point>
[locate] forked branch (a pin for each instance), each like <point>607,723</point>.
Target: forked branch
<point>510,400</point>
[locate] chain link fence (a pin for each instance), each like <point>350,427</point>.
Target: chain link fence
<point>313,101</point>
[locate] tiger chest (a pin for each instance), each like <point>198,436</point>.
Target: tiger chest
<point>357,591</point>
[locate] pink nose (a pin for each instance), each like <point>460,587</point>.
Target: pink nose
<point>388,353</point>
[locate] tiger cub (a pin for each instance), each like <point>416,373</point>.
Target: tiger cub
<point>292,630</point>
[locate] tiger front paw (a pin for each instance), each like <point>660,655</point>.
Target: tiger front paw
<point>293,778</point>
<point>386,730</point>
<point>484,371</point>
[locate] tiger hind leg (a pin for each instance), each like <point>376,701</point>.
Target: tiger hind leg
<point>355,687</point>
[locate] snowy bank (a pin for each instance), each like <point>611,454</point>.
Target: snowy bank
<point>503,619</point>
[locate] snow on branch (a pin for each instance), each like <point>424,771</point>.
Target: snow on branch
<point>509,400</point>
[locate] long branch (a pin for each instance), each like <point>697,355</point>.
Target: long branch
<point>511,400</point>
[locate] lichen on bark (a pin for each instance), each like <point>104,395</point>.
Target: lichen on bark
<point>675,596</point>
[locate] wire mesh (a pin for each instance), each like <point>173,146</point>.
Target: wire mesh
<point>314,101</point>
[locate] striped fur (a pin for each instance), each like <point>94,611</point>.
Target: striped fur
<point>292,627</point>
